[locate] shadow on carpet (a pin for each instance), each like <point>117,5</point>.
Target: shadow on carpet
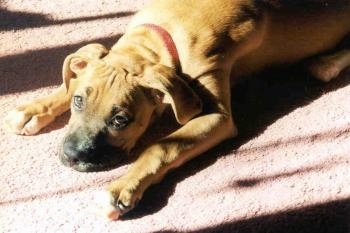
<point>331,217</point>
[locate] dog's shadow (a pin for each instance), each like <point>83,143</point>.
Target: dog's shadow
<point>256,103</point>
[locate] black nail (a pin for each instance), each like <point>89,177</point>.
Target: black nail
<point>121,206</point>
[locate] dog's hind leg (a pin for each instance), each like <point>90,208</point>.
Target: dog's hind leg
<point>328,67</point>
<point>29,118</point>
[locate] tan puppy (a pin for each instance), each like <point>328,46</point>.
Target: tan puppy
<point>177,53</point>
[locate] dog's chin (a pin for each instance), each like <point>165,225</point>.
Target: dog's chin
<point>83,166</point>
<point>105,162</point>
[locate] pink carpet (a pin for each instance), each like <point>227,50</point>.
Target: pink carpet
<point>288,171</point>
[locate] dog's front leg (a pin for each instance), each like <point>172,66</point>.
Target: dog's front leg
<point>28,119</point>
<point>197,136</point>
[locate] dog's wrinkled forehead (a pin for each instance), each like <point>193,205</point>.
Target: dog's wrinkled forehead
<point>105,85</point>
<point>99,75</point>
<point>98,71</point>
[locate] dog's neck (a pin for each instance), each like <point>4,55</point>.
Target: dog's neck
<point>143,46</point>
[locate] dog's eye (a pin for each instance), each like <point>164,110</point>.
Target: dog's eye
<point>120,121</point>
<point>78,102</point>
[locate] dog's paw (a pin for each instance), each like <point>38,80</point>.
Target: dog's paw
<point>26,121</point>
<point>324,69</point>
<point>105,205</point>
<point>119,198</point>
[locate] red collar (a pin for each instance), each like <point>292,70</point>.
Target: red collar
<point>168,42</point>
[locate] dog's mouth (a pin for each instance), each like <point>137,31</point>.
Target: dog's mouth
<point>104,160</point>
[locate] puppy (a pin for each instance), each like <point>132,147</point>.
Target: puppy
<point>180,54</point>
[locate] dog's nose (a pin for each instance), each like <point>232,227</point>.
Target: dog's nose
<point>75,152</point>
<point>86,154</point>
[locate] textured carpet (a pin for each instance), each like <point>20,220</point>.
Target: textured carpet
<point>288,171</point>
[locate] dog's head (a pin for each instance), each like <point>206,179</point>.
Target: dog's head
<point>112,107</point>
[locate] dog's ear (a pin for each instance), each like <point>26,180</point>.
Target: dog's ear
<point>173,90</point>
<point>75,63</point>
